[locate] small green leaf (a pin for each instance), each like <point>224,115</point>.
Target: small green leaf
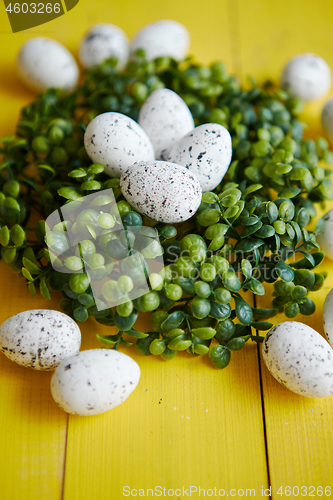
<point>252,189</point>
<point>142,345</point>
<point>31,266</point>
<point>204,333</point>
<point>26,274</point>
<point>261,325</point>
<point>290,192</point>
<point>220,356</point>
<point>32,288</point>
<point>70,193</point>
<point>248,245</point>
<point>243,311</point>
<point>264,313</point>
<point>209,197</point>
<point>107,339</point>
<point>4,236</point>
<point>254,286</point>
<point>272,211</point>
<point>284,272</point>
<point>246,268</point>
<point>91,186</point>
<point>236,344</point>
<point>43,289</point>
<point>266,231</point>
<point>251,229</point>
<point>136,334</point>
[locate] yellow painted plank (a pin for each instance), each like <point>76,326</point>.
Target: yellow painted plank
<point>186,424</point>
<point>33,428</point>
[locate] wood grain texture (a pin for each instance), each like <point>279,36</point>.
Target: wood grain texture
<point>182,426</point>
<point>33,428</point>
<point>186,424</point>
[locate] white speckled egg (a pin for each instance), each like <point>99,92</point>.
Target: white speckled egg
<point>116,141</point>
<point>325,236</point>
<point>206,151</point>
<point>166,118</point>
<point>327,119</point>
<point>307,76</point>
<point>94,381</point>
<point>164,191</point>
<point>164,38</point>
<point>40,338</point>
<point>43,63</point>
<point>300,359</point>
<point>101,42</point>
<point>328,317</point>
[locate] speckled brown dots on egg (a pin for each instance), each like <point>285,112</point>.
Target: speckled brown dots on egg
<point>163,191</point>
<point>97,381</point>
<point>39,339</point>
<point>300,359</point>
<point>166,118</point>
<point>116,141</point>
<point>206,152</point>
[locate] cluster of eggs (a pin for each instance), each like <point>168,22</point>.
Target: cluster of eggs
<point>83,383</point>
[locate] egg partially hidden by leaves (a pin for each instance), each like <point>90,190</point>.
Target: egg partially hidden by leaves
<point>325,236</point>
<point>328,317</point>
<point>164,38</point>
<point>206,151</point>
<point>116,141</point>
<point>307,76</point>
<point>40,338</point>
<point>166,118</point>
<point>43,63</point>
<point>94,381</point>
<point>161,190</point>
<point>300,359</point>
<point>102,42</point>
<point>327,119</point>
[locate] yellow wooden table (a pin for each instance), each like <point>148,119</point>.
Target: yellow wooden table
<point>187,426</point>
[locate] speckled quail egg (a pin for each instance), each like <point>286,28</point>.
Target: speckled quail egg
<point>300,359</point>
<point>101,42</point>
<point>116,141</point>
<point>327,119</point>
<point>40,338</point>
<point>43,63</point>
<point>161,190</point>
<point>206,151</point>
<point>307,76</point>
<point>164,38</point>
<point>94,381</point>
<point>328,317</point>
<point>325,236</point>
<point>166,118</point>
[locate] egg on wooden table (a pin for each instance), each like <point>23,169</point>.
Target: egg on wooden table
<point>328,317</point>
<point>166,118</point>
<point>206,151</point>
<point>325,236</point>
<point>40,338</point>
<point>165,38</point>
<point>300,359</point>
<point>102,42</point>
<point>307,76</point>
<point>94,381</point>
<point>43,63</point>
<point>116,141</point>
<point>161,190</point>
<point>327,119</point>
